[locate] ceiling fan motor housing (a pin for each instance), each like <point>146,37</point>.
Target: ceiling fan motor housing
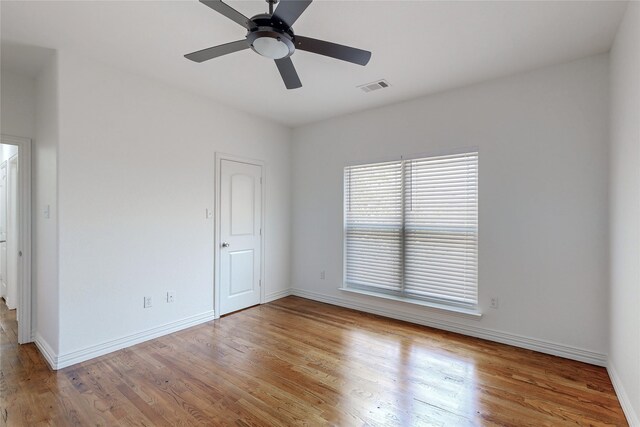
<point>270,38</point>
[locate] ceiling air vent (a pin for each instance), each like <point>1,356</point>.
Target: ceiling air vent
<point>370,87</point>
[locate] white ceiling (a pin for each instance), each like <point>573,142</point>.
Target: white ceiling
<point>420,47</point>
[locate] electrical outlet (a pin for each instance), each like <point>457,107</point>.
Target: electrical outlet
<point>171,296</point>
<point>322,275</point>
<point>147,302</point>
<point>494,302</point>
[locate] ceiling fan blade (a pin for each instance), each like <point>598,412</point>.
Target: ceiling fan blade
<point>333,50</point>
<point>214,52</point>
<point>229,12</point>
<point>288,11</point>
<point>288,73</point>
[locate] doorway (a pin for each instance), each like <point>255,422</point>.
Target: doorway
<point>239,234</point>
<point>15,233</point>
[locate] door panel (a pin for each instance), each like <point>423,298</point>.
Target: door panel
<point>241,272</point>
<point>240,237</point>
<point>242,205</point>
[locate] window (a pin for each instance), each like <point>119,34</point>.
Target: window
<point>411,228</point>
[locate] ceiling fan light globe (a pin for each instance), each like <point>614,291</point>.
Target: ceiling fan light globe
<point>270,47</point>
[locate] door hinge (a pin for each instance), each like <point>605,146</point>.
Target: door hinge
<point>261,231</point>
<point>260,180</point>
<point>260,282</point>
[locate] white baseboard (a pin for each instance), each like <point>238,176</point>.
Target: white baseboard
<point>632,417</point>
<point>474,331</point>
<point>68,359</point>
<point>277,295</point>
<point>46,351</point>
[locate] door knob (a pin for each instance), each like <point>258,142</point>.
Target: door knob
<point>225,245</point>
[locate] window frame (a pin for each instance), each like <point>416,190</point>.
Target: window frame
<point>433,302</point>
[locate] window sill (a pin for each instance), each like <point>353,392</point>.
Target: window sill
<point>449,308</point>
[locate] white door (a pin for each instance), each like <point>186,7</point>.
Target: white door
<point>240,235</point>
<point>3,230</point>
<point>12,233</point>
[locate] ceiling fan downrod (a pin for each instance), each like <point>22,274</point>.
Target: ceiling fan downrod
<point>271,3</point>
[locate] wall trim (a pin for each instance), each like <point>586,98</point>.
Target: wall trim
<point>632,418</point>
<point>277,295</point>
<point>528,343</point>
<point>45,349</point>
<point>62,361</point>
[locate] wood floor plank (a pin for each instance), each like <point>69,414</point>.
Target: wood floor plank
<point>300,362</point>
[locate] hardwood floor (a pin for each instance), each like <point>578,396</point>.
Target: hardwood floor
<point>299,362</point>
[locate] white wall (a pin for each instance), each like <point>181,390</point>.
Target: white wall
<point>17,105</point>
<point>29,109</point>
<point>45,288</point>
<point>542,138</point>
<point>136,173</point>
<point>624,360</point>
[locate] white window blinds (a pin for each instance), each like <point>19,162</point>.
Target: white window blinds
<point>411,228</point>
<point>373,208</point>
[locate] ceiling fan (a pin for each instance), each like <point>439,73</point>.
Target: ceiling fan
<point>270,35</point>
